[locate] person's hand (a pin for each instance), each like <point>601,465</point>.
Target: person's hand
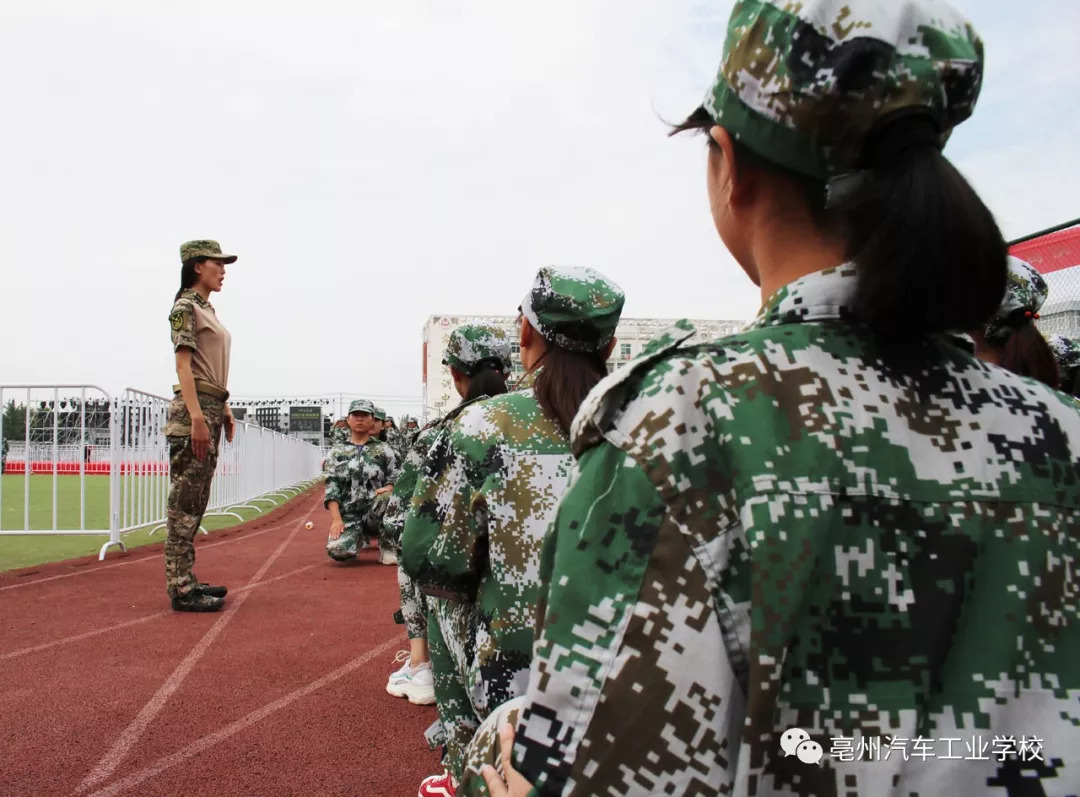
<point>387,489</point>
<point>515,784</point>
<point>200,437</point>
<point>337,528</point>
<point>229,423</point>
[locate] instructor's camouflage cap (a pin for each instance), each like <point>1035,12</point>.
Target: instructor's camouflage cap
<point>194,249</point>
<point>803,84</point>
<point>1066,353</point>
<point>361,405</point>
<point>470,344</point>
<point>1025,292</point>
<point>380,414</point>
<point>575,308</point>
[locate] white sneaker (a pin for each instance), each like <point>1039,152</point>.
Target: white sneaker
<point>398,675</point>
<point>416,684</point>
<point>387,557</point>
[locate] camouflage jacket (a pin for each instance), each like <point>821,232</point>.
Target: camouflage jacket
<point>790,543</point>
<point>354,473</point>
<point>398,508</point>
<point>481,508</point>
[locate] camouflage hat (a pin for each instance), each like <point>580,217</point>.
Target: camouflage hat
<point>1066,352</point>
<point>361,405</point>
<point>211,249</point>
<point>1025,292</point>
<point>471,344</point>
<point>380,414</point>
<point>804,84</point>
<point>574,308</point>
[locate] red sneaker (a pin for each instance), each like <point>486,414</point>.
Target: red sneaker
<point>442,785</point>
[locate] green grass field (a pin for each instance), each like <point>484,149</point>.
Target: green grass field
<point>26,551</point>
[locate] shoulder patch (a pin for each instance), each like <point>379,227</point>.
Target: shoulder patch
<point>176,320</point>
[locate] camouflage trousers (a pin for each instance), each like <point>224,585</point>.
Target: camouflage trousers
<point>189,493</point>
<point>485,748</point>
<point>352,539</point>
<point>472,675</point>
<point>414,606</point>
<point>451,644</point>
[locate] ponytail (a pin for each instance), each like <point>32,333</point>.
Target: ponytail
<point>929,253</point>
<point>565,381</point>
<point>188,277</point>
<point>486,379</point>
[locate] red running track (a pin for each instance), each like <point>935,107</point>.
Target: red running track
<point>106,691</point>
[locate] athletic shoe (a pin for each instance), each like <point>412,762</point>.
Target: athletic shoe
<point>442,785</point>
<point>387,557</point>
<point>415,683</point>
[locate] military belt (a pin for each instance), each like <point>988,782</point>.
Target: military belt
<point>207,389</point>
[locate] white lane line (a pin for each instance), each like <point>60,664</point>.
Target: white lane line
<point>87,634</point>
<point>138,726</point>
<point>154,558</point>
<point>206,742</point>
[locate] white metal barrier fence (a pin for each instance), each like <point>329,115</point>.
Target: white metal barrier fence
<point>118,450</point>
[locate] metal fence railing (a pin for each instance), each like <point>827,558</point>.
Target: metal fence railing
<point>77,461</point>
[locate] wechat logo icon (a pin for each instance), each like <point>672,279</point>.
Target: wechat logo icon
<point>797,742</point>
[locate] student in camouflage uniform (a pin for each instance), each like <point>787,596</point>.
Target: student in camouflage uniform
<point>836,533</point>
<point>487,494</point>
<point>1067,356</point>
<point>479,361</point>
<point>1010,339</point>
<point>357,473</point>
<point>197,416</point>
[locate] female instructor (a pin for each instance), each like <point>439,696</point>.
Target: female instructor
<point>197,414</point>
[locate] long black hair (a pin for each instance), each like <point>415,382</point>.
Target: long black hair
<point>565,381</point>
<point>188,277</point>
<point>486,379</point>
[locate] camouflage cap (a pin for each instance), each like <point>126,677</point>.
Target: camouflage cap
<point>471,344</point>
<point>361,405</point>
<point>574,308</point>
<point>212,249</point>
<point>804,84</point>
<point>1025,292</point>
<point>379,413</point>
<point>1066,352</point>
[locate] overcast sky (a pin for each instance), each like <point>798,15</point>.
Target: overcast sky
<point>376,163</point>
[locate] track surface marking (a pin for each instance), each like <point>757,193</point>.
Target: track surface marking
<point>104,690</point>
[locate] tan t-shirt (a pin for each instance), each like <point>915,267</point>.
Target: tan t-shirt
<point>195,325</point>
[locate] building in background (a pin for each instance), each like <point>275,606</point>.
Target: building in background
<point>632,334</point>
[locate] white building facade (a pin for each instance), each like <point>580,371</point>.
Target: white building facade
<point>632,334</point>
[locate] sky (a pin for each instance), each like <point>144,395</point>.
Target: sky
<point>373,164</point>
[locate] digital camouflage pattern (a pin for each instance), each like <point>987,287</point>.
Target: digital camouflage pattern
<point>480,510</point>
<point>1067,356</point>
<point>792,527</point>
<point>803,84</point>
<point>414,605</point>
<point>353,474</point>
<point>212,249</point>
<point>575,308</point>
<point>339,434</point>
<point>1025,292</point>
<point>361,405</point>
<point>189,490</point>
<point>471,344</point>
